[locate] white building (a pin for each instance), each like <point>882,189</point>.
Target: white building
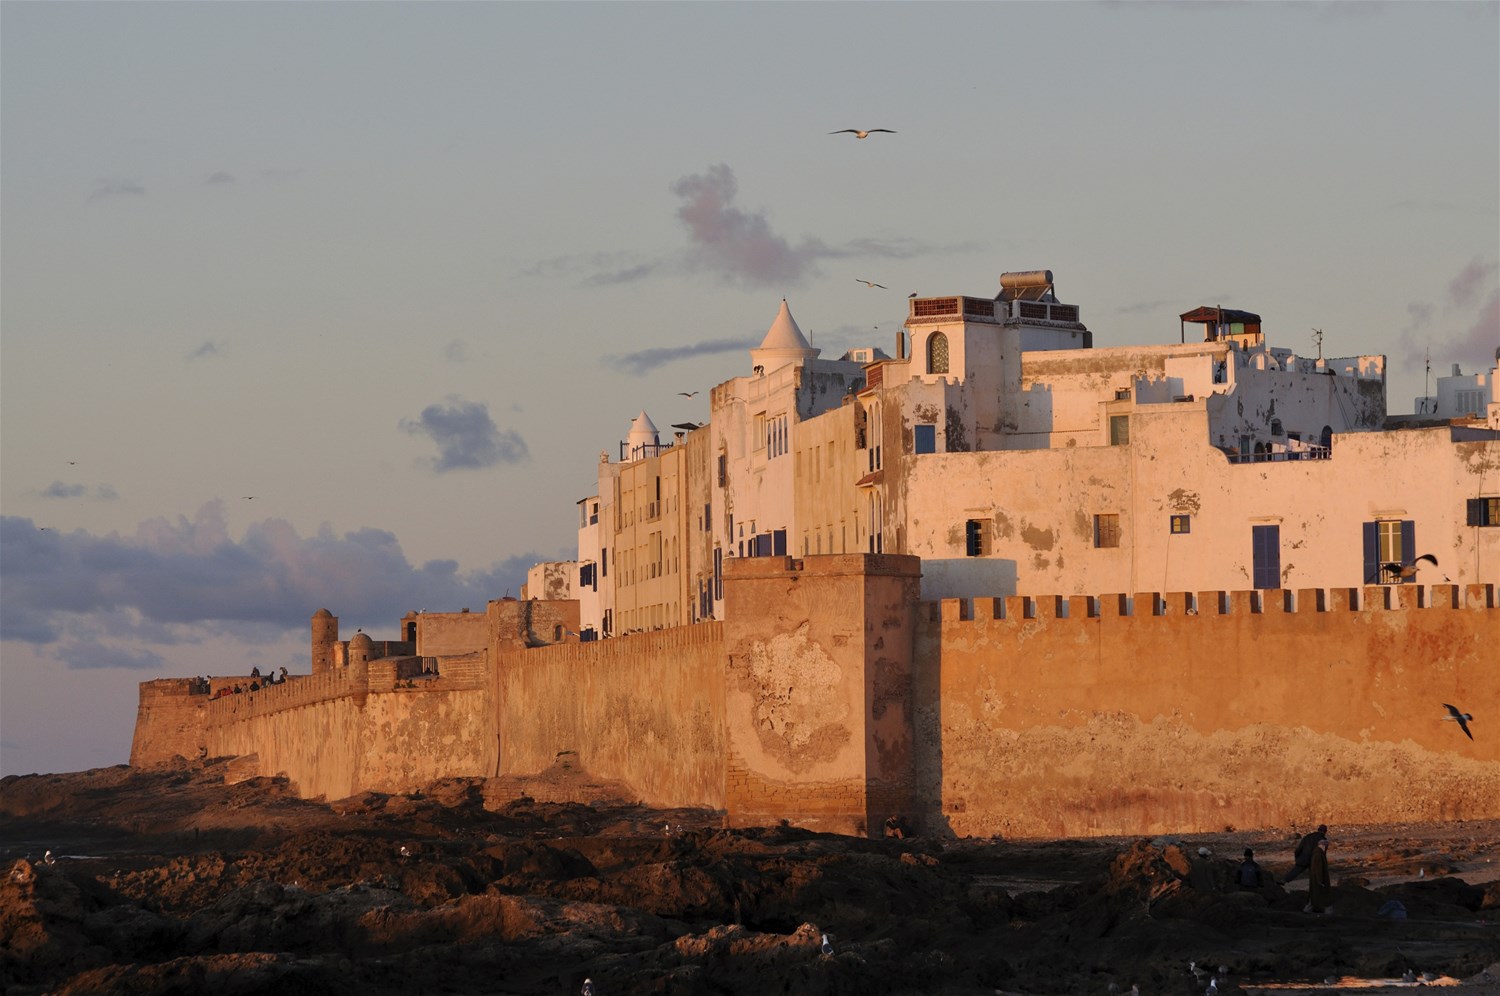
<point>1015,457</point>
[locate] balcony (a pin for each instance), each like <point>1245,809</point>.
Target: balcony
<point>969,309</point>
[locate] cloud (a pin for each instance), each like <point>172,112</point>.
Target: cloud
<point>456,351</point>
<point>1455,332</point>
<point>645,360</point>
<point>117,188</point>
<point>219,177</point>
<point>1143,306</point>
<point>1473,278</point>
<point>181,580</point>
<point>740,246</point>
<point>208,350</point>
<point>57,489</point>
<point>91,654</point>
<point>466,436</point>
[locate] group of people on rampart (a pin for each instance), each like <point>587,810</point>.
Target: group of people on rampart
<point>255,684</point>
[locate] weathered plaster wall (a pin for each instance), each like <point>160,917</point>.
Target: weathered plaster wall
<point>816,689</point>
<point>441,634</point>
<point>1149,723</point>
<point>1041,505</point>
<point>353,730</point>
<point>169,721</point>
<point>646,709</point>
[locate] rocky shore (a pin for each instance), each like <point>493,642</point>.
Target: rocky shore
<point>175,881</point>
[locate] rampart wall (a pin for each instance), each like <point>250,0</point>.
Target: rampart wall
<point>645,709</point>
<point>833,697</point>
<point>1253,709</point>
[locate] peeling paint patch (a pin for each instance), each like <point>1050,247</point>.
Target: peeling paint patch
<point>1183,500</point>
<point>1038,539</point>
<point>806,723</point>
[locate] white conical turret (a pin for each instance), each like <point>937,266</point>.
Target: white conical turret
<point>784,343</point>
<point>643,438</point>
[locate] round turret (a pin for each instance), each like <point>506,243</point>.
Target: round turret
<point>784,343</point>
<point>643,438</point>
<point>361,648</point>
<point>325,633</point>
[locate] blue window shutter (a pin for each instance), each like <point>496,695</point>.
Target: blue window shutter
<point>1265,544</point>
<point>1372,553</point>
<point>778,543</point>
<point>1408,545</point>
<point>924,439</point>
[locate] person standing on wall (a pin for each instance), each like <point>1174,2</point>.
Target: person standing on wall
<point>1303,856</point>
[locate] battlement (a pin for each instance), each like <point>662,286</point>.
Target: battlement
<point>1210,604</point>
<point>665,642</point>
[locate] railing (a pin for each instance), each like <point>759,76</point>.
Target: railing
<point>982,308</point>
<point>1310,452</point>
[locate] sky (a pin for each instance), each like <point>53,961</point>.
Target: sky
<point>336,304</point>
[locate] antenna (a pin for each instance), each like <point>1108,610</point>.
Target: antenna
<point>1318,338</point>
<point>1427,382</point>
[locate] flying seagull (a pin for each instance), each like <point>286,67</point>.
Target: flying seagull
<point>686,394</point>
<point>1461,718</point>
<point>861,134</point>
<point>870,283</point>
<point>1396,569</point>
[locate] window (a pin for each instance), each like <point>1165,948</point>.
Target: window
<point>759,439</point>
<point>586,577</point>
<point>977,537</point>
<point>924,439</point>
<point>1119,430</point>
<point>1182,524</point>
<point>1484,511</point>
<point>723,470</point>
<point>778,543</point>
<point>1265,544</point>
<point>1388,541</point>
<point>604,562</point>
<point>594,513</point>
<point>1106,530</point>
<point>937,353</point>
<point>1276,427</point>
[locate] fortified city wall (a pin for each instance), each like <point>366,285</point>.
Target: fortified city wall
<point>833,697</point>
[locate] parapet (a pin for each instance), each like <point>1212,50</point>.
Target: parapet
<point>1278,601</point>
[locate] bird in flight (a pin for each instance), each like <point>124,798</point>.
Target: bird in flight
<point>1461,718</point>
<point>1396,569</point>
<point>869,283</point>
<point>687,394</point>
<point>861,134</point>
<point>249,497</point>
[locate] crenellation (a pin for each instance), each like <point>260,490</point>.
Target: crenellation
<point>1311,600</point>
<point>1277,602</point>
<point>1048,608</point>
<point>1213,603</point>
<point>1243,603</point>
<point>1082,607</point>
<point>1114,606</point>
<point>1479,596</point>
<point>1179,603</point>
<point>1410,596</point>
<point>1343,599</point>
<point>1017,608</point>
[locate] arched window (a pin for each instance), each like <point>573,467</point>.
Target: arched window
<point>937,353</point>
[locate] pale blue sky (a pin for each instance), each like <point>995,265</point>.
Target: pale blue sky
<point>387,267</point>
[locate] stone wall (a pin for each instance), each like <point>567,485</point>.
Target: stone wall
<point>646,709</point>
<point>1255,709</point>
<point>832,698</point>
<point>818,689</point>
<point>169,721</point>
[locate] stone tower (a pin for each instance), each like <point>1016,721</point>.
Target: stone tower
<point>325,633</point>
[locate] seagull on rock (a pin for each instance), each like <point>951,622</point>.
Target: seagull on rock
<point>827,945</point>
<point>861,134</point>
<point>1461,718</point>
